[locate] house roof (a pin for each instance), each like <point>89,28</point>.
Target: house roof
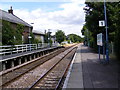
<point>38,32</point>
<point>12,18</point>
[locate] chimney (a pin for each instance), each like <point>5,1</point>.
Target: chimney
<point>11,10</point>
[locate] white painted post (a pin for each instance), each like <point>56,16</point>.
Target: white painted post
<point>17,49</point>
<point>25,59</point>
<point>30,57</point>
<point>26,48</point>
<point>12,63</point>
<point>11,48</point>
<point>36,46</point>
<point>34,56</point>
<point>4,67</point>
<point>22,48</point>
<point>19,61</point>
<point>30,47</point>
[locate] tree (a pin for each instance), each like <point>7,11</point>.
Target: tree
<point>11,36</point>
<point>88,38</point>
<point>18,34</point>
<point>116,21</point>
<point>7,33</point>
<point>74,38</point>
<point>46,38</point>
<point>94,13</point>
<point>60,36</point>
<point>36,41</point>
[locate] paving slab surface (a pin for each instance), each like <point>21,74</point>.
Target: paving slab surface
<point>87,72</point>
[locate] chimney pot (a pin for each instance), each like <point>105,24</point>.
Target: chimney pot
<point>10,10</point>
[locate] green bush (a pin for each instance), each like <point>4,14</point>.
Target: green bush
<point>117,43</point>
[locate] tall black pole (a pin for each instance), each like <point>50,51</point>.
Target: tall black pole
<point>107,45</point>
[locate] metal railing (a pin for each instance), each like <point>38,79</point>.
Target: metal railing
<point>12,49</point>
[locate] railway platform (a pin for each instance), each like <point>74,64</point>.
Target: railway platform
<point>26,53</point>
<point>87,72</point>
<point>9,61</point>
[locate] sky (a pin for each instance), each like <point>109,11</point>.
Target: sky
<point>67,16</point>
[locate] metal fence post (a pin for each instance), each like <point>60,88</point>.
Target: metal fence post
<point>22,48</point>
<point>26,48</point>
<point>36,46</point>
<point>17,49</point>
<point>107,45</point>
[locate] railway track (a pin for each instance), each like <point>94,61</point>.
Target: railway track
<point>53,78</point>
<point>24,75</point>
<point>17,71</point>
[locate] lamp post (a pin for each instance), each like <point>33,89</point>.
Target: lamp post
<point>29,37</point>
<point>49,37</point>
<point>107,51</point>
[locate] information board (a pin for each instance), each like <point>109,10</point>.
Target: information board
<point>99,39</point>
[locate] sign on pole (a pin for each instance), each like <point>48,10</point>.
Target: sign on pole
<point>99,39</point>
<point>101,23</point>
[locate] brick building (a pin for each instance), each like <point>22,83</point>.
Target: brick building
<point>14,21</point>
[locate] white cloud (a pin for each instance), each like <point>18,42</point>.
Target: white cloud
<point>71,14</point>
<point>4,6</point>
<point>70,19</point>
<point>78,1</point>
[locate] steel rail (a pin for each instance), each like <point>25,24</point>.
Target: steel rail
<point>65,71</point>
<point>35,83</point>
